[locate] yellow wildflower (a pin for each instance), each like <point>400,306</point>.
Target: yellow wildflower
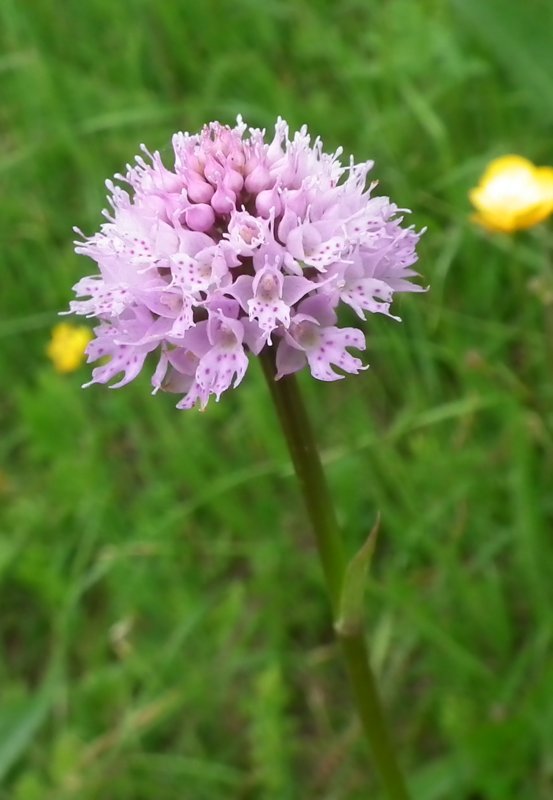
<point>513,195</point>
<point>67,346</point>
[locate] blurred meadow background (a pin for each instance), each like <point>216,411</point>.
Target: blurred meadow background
<point>163,628</point>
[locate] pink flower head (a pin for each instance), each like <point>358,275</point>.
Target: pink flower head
<point>243,244</point>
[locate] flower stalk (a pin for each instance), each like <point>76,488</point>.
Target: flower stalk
<point>303,450</point>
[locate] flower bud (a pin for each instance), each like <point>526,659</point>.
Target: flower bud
<point>199,217</point>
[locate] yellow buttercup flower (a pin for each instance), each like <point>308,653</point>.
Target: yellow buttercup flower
<point>513,195</point>
<point>67,346</point>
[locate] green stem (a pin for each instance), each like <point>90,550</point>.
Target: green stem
<point>307,464</point>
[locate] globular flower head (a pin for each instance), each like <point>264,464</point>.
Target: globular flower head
<point>242,244</point>
<point>66,348</point>
<point>513,195</point>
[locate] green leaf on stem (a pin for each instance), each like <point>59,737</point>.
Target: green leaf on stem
<point>350,619</point>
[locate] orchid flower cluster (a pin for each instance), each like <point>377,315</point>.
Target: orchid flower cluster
<point>242,245</point>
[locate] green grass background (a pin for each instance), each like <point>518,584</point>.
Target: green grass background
<point>163,629</point>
